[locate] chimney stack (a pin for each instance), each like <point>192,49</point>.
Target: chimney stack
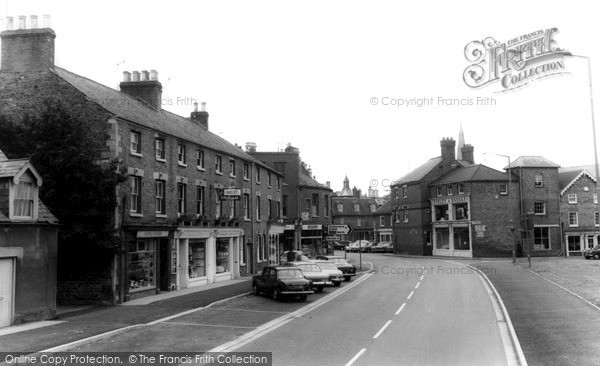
<point>251,147</point>
<point>448,146</point>
<point>467,153</point>
<point>27,49</point>
<point>142,86</point>
<point>200,117</point>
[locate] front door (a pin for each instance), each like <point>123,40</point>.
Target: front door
<point>6,291</point>
<point>165,265</point>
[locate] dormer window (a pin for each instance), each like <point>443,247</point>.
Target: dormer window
<point>23,194</point>
<point>24,201</point>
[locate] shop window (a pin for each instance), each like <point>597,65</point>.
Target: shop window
<point>461,211</point>
<point>442,238</point>
<point>461,238</point>
<point>222,257</point>
<point>574,243</point>
<point>197,258</point>
<point>541,238</point>
<point>441,213</point>
<point>142,269</point>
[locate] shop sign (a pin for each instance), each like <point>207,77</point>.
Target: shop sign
<point>203,234</point>
<point>438,201</point>
<point>312,227</point>
<point>227,233</point>
<point>231,194</point>
<point>289,227</point>
<point>152,234</point>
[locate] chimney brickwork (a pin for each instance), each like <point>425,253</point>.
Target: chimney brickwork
<point>144,87</point>
<point>448,145</point>
<point>27,49</point>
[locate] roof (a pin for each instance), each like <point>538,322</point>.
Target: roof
<point>566,178</point>
<point>474,173</point>
<point>591,169</point>
<point>420,172</point>
<point>306,180</point>
<point>134,110</point>
<point>364,206</point>
<point>386,208</point>
<point>532,162</point>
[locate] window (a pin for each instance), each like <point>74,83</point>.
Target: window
<point>181,198</point>
<point>270,209</point>
<point>232,209</point>
<point>574,243</point>
<point>246,171</point>
<point>326,206</point>
<point>218,207</point>
<point>398,216</point>
<point>257,174</point>
<point>405,215</point>
<point>200,159</point>
<point>461,189</point>
<point>269,179</point>
<point>373,208</point>
<point>159,193</point>
<point>246,206</point>
<point>572,198</point>
<point>381,220</point>
<point>449,190</point>
<point>595,198</point>
<point>278,209</point>
<point>24,200</point>
<point>159,146</point>
<point>356,208</point>
<point>315,205</point>
<point>278,183</point>
<point>461,211</point>
<point>573,219</point>
<point>359,222</point>
<point>218,164</point>
<point>441,213</point>
<point>541,238</point>
<point>405,191</point>
<point>135,197</point>
<point>135,143</point>
<point>396,193</point>
<point>597,218</point>
<point>200,200</point>
<point>539,180</point>
<point>232,168</point>
<point>503,189</point>
<point>340,207</point>
<point>284,205</point>
<point>181,158</point>
<point>197,258</point>
<point>539,207</point>
<point>438,191</point>
<point>257,208</point>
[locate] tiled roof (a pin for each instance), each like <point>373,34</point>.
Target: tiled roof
<point>364,206</point>
<point>385,209</point>
<point>473,173</point>
<point>307,181</point>
<point>420,172</point>
<point>10,168</point>
<point>566,177</point>
<point>591,169</point>
<point>126,107</point>
<point>533,162</point>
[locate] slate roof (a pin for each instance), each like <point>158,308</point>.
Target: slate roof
<point>305,180</point>
<point>532,162</point>
<point>474,173</point>
<point>568,176</point>
<point>590,169</point>
<point>364,205</point>
<point>420,172</point>
<point>385,209</point>
<point>10,168</point>
<point>134,110</point>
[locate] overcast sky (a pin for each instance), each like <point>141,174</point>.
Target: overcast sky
<point>305,72</point>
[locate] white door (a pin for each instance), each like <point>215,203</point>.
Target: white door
<point>6,291</point>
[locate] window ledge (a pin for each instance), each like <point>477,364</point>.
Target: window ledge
<point>136,214</point>
<point>232,176</point>
<point>161,160</point>
<point>137,154</point>
<point>218,173</point>
<point>182,164</point>
<point>200,168</point>
<point>161,216</point>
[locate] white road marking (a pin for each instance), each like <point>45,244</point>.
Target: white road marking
<point>399,310</point>
<point>382,329</point>
<point>356,357</point>
<point>410,295</point>
<point>417,286</point>
<point>209,325</point>
<point>421,277</point>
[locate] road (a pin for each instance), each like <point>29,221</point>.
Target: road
<point>412,312</point>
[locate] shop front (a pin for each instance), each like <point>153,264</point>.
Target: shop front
<point>276,248</point>
<point>206,255</point>
<point>577,242</point>
<point>452,234</point>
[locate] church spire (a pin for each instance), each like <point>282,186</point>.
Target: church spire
<point>461,143</point>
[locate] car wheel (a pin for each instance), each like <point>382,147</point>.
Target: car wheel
<point>276,295</point>
<point>319,289</point>
<point>255,289</point>
<point>337,283</point>
<point>347,278</point>
<point>596,256</point>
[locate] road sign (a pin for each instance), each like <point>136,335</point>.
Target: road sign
<point>339,229</point>
<point>332,238</point>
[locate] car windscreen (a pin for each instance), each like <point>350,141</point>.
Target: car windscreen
<point>339,261</point>
<point>309,267</point>
<point>326,266</point>
<point>290,273</point>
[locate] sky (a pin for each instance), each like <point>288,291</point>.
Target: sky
<point>333,78</point>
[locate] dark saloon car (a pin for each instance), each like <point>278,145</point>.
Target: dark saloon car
<point>349,270</point>
<point>318,279</point>
<point>279,282</point>
<point>592,252</point>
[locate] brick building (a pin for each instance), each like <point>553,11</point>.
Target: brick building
<point>306,203</point>
<point>196,209</point>
<point>383,222</point>
<point>579,210</point>
<point>28,246</point>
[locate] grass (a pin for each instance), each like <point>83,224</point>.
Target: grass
<point>574,273</point>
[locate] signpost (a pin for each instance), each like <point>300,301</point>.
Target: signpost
<point>339,229</point>
<point>332,238</point>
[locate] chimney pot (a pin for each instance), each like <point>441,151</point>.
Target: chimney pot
<point>46,23</point>
<point>195,106</point>
<point>9,23</point>
<point>135,76</point>
<point>126,76</point>
<point>203,108</point>
<point>251,146</point>
<point>33,21</point>
<point>153,75</point>
<point>145,75</point>
<point>22,22</point>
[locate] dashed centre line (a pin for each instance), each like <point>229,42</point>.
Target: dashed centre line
<point>400,309</point>
<point>356,356</point>
<point>410,295</point>
<point>382,329</point>
<point>417,286</point>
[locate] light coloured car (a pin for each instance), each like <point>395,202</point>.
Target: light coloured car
<point>318,279</point>
<point>335,275</point>
<point>383,247</point>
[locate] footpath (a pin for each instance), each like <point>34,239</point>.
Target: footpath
<point>74,326</point>
<point>554,326</point>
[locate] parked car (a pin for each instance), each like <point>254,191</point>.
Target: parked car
<point>298,254</point>
<point>352,247</point>
<point>339,245</point>
<point>592,252</point>
<point>318,279</point>
<point>349,270</point>
<point>281,282</point>
<point>383,247</point>
<point>335,275</point>
<point>365,246</point>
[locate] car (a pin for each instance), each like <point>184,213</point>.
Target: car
<point>592,252</point>
<point>280,282</point>
<point>338,245</point>
<point>365,246</point>
<point>335,275</point>
<point>318,279</point>
<point>352,247</point>
<point>299,256</point>
<point>383,247</point>
<point>349,270</point>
